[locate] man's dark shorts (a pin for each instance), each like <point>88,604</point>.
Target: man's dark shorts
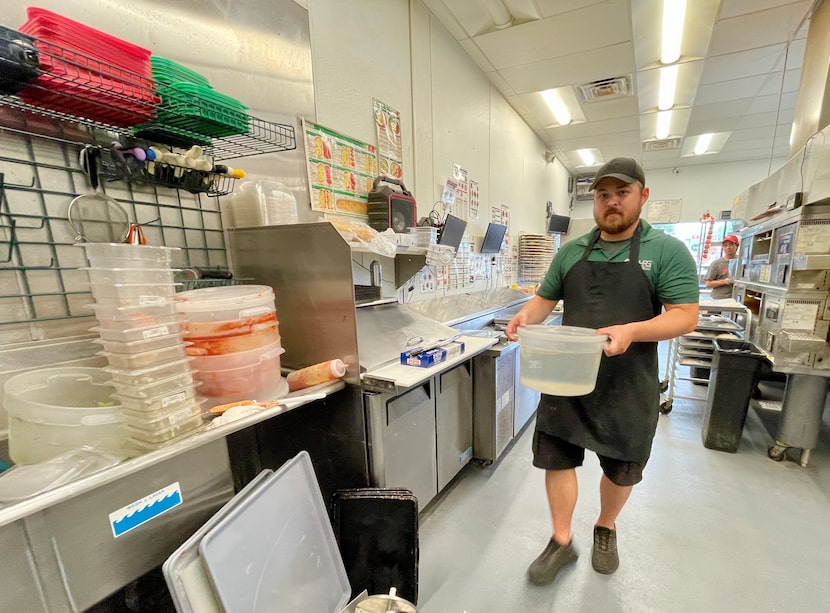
<point>552,453</point>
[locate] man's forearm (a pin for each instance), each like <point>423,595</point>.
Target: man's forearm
<point>677,320</point>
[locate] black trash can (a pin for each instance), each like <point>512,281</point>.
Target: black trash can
<point>736,365</point>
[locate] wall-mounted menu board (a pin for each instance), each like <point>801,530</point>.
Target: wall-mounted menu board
<point>340,170</point>
<point>664,211</point>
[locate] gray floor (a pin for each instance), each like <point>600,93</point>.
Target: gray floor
<point>704,531</point>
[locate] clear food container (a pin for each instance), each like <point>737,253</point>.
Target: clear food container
<point>171,401</point>
<point>145,359</point>
<point>155,389</point>
<point>152,374</point>
<point>140,316</point>
<point>237,359</point>
<point>129,334</point>
<point>141,346</point>
<point>157,422</point>
<point>124,255</point>
<point>164,434</point>
<point>130,275</point>
<point>132,294</point>
<point>226,303</point>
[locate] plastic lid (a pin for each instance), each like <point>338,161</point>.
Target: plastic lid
<point>571,334</point>
<point>224,297</point>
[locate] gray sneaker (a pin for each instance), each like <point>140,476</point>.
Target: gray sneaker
<point>605,559</point>
<point>554,558</point>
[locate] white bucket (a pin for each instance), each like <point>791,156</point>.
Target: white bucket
<point>560,360</point>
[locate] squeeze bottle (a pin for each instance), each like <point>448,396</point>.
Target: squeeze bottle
<point>316,374</point>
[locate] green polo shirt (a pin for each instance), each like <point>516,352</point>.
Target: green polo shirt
<point>665,260</point>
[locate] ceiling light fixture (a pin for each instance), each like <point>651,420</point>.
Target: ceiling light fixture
<point>557,107</point>
<point>587,156</point>
<point>703,143</point>
<point>674,13</point>
<point>663,125</point>
<point>668,81</point>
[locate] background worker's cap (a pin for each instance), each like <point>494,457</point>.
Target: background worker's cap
<point>624,169</point>
<point>730,238</point>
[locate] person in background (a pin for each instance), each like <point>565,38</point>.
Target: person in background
<point>717,277</point>
<point>637,285</point>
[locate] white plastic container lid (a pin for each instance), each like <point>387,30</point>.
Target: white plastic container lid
<point>241,298</point>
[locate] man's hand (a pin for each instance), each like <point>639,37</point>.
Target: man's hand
<point>517,321</point>
<point>619,339</point>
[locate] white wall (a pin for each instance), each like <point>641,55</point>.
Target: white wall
<point>709,187</point>
<point>397,52</point>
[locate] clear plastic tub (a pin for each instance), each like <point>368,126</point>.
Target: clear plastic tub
<point>560,360</point>
<point>246,382</point>
<point>267,318</point>
<point>162,420</point>
<point>225,303</point>
<point>128,334</point>
<point>124,255</point>
<point>141,316</point>
<point>171,401</point>
<point>261,337</point>
<point>133,294</point>
<point>159,388</point>
<point>164,434</point>
<point>144,359</point>
<point>153,374</point>
<point>237,359</point>
<point>137,446</point>
<point>142,346</point>
<point>54,410</point>
<point>131,275</point>
<point>127,325</point>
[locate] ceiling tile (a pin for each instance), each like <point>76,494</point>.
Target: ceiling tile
<point>572,70</point>
<point>523,10</point>
<point>776,25</point>
<point>734,8</point>
<point>773,83</point>
<point>597,26</point>
<point>697,30</point>
<point>741,64</point>
<point>609,109</point>
<point>793,57</point>
<point>720,124</point>
<point>549,8</point>
<point>732,90</point>
<point>595,128</point>
<point>732,108</point>
<point>764,104</point>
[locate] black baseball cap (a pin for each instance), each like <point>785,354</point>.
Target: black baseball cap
<point>624,169</point>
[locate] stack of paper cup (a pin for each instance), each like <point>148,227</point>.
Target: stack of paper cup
<point>134,303</point>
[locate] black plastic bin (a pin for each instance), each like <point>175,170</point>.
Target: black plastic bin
<point>736,365</point>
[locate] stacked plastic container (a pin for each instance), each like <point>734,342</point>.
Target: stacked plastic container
<point>89,73</point>
<point>424,236</point>
<point>134,303</point>
<point>233,336</point>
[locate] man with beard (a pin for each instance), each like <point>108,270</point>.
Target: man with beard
<point>638,286</point>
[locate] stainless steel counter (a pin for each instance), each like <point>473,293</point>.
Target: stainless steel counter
<point>62,550</point>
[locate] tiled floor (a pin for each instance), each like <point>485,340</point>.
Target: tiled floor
<point>705,530</point>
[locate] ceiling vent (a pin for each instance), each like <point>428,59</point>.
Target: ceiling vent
<point>605,89</point>
<point>661,145</point>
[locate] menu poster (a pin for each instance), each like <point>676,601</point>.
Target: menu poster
<point>664,211</point>
<point>388,128</point>
<point>474,202</point>
<point>461,191</point>
<point>505,221</point>
<point>341,170</point>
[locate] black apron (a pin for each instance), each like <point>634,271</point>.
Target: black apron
<point>618,419</point>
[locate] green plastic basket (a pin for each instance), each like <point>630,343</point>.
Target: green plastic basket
<point>167,71</point>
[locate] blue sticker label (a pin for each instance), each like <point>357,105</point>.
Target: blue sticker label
<point>141,511</point>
